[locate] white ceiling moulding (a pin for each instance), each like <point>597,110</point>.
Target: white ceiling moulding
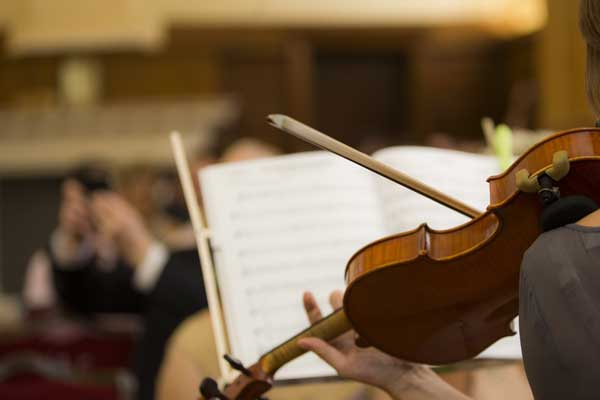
<point>52,141</point>
<point>64,26</point>
<point>501,17</point>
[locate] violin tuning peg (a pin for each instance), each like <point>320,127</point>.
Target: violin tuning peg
<point>526,183</point>
<point>237,365</point>
<point>560,166</point>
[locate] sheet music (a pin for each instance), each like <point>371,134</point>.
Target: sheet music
<point>459,174</point>
<point>281,226</point>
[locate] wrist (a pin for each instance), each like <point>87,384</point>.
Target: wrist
<point>421,383</point>
<point>402,382</point>
<point>148,272</point>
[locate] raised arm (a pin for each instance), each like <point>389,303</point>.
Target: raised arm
<point>398,378</point>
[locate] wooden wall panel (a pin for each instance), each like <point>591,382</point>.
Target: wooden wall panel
<point>259,85</point>
<point>561,69</point>
<point>28,210</point>
<point>399,84</point>
<point>362,99</point>
<point>131,77</point>
<point>28,82</point>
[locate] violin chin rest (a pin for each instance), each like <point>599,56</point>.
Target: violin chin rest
<point>565,211</point>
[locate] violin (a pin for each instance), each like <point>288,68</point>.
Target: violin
<point>438,297</point>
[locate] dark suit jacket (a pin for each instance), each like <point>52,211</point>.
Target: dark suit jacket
<point>179,292</point>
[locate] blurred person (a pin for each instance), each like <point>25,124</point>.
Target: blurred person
<point>106,260</point>
<point>174,227</point>
<point>248,149</point>
<point>191,353</point>
<point>39,296</point>
<point>135,183</point>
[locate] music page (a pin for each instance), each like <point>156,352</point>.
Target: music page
<point>279,227</point>
<point>458,174</point>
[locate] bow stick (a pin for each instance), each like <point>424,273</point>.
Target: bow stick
<point>312,136</point>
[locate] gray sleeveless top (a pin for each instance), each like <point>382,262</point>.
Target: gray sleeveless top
<point>559,309</point>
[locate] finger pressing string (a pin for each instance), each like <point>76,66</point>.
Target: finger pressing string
<point>312,308</point>
<point>325,351</point>
<point>336,299</point>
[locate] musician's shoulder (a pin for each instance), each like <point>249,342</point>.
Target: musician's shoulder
<point>548,247</point>
<point>194,338</point>
<point>548,238</point>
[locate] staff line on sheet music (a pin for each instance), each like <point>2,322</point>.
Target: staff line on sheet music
<point>309,246</point>
<point>279,268</point>
<point>267,231</point>
<point>284,191</point>
<point>267,174</point>
<point>307,209</point>
<point>284,286</point>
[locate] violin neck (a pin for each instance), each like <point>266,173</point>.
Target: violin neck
<point>326,329</point>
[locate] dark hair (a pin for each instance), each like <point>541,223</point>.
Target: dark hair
<point>589,23</point>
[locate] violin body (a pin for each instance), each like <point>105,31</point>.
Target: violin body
<point>438,297</point>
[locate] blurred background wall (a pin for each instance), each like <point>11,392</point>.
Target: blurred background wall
<point>109,78</point>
